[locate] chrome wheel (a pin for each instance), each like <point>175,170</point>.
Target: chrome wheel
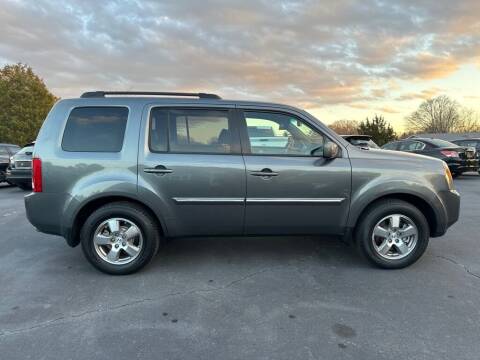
<point>394,237</point>
<point>118,241</point>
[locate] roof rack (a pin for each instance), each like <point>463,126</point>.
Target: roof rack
<point>100,94</point>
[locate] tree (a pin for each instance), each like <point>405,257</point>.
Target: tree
<point>345,127</point>
<point>438,115</point>
<point>380,131</point>
<point>24,102</point>
<point>469,121</point>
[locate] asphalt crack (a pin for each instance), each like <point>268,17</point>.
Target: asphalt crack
<point>465,268</point>
<point>64,318</point>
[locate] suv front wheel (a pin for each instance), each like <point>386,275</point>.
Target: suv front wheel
<point>120,238</point>
<point>392,234</point>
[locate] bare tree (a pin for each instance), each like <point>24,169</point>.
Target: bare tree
<point>438,115</point>
<point>469,121</point>
<point>345,127</point>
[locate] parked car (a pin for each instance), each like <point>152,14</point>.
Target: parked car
<point>19,172</point>
<point>473,143</point>
<point>118,174</point>
<point>361,141</point>
<point>6,151</point>
<point>459,159</point>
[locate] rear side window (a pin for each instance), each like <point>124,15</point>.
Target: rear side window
<point>95,129</point>
<point>190,131</point>
<point>3,150</point>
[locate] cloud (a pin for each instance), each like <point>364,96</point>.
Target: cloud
<point>307,53</point>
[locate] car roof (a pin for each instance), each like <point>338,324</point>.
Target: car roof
<point>176,98</point>
<point>5,144</point>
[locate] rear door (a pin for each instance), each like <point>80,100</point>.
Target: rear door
<point>289,190</point>
<point>190,158</point>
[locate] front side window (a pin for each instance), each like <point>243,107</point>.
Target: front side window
<point>190,131</point>
<point>95,129</point>
<point>273,133</point>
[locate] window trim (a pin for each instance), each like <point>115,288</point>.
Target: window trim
<point>245,139</point>
<point>235,148</point>
<point>95,106</point>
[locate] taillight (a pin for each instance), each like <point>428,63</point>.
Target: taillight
<point>37,175</point>
<point>449,153</point>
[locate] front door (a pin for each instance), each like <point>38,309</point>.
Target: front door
<point>192,162</point>
<point>291,188</point>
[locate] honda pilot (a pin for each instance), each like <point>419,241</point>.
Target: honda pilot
<point>120,172</point>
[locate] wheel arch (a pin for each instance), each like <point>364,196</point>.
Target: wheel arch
<point>429,210</point>
<point>72,234</point>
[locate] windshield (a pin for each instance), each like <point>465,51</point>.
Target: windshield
<point>25,150</point>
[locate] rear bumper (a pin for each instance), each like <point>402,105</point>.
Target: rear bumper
<point>45,212</point>
<point>3,168</point>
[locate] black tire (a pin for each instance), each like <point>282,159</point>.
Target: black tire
<point>373,215</point>
<point>146,223</point>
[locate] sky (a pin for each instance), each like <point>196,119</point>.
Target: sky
<point>341,59</point>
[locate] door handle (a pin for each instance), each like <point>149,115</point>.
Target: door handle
<point>265,173</point>
<point>159,169</point>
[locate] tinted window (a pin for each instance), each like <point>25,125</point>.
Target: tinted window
<point>281,134</point>
<point>390,146</point>
<point>441,143</point>
<point>3,151</point>
<point>95,129</point>
<point>186,131</point>
<point>471,143</point>
<point>411,146</point>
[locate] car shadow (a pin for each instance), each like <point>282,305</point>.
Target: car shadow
<point>271,250</point>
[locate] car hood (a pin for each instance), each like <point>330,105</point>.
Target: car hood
<point>390,155</point>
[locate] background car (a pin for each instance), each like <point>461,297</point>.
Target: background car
<point>459,159</point>
<point>474,143</point>
<point>19,171</point>
<point>361,141</point>
<point>6,151</point>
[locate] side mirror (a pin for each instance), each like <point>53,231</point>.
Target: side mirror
<point>330,150</point>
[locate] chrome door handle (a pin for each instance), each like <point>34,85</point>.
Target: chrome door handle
<point>160,169</point>
<point>266,173</point>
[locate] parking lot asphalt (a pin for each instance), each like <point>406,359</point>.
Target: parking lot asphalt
<point>240,298</point>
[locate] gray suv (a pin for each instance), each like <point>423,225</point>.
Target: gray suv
<point>119,174</point>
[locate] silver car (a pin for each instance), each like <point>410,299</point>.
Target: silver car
<point>119,174</point>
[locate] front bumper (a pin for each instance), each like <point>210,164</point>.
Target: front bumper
<point>462,165</point>
<point>19,176</point>
<point>451,203</point>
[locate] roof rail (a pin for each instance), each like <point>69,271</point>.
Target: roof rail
<point>99,94</point>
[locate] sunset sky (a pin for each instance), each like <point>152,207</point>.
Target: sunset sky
<point>337,59</point>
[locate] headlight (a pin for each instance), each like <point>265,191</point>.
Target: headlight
<point>448,176</point>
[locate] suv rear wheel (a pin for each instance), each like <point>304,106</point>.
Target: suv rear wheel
<point>392,234</point>
<point>120,238</point>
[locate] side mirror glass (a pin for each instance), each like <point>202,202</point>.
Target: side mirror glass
<point>330,150</point>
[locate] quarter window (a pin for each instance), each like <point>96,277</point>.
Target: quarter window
<point>281,134</point>
<point>95,129</point>
<point>190,131</point>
